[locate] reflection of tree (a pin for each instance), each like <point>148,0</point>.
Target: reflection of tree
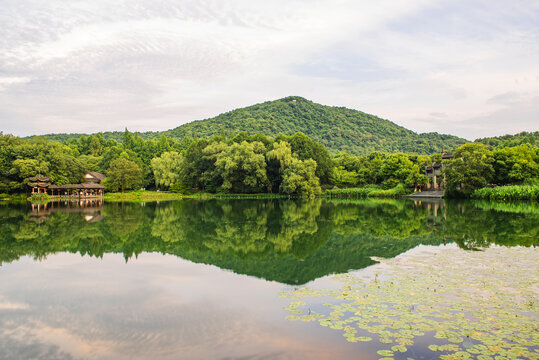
<point>296,221</point>
<point>287,241</point>
<point>241,227</point>
<point>473,227</point>
<point>379,218</point>
<point>124,220</point>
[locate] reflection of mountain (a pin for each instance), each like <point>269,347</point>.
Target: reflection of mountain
<point>287,241</point>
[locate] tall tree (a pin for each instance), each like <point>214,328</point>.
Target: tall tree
<point>306,148</point>
<point>167,168</point>
<point>278,160</point>
<point>123,174</point>
<point>243,167</point>
<point>470,168</point>
<point>300,179</point>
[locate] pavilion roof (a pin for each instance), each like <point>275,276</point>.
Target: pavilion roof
<point>96,175</point>
<point>39,184</point>
<point>81,186</point>
<point>38,178</point>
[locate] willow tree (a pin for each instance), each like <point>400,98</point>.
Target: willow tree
<point>300,179</point>
<point>243,168</point>
<point>167,168</point>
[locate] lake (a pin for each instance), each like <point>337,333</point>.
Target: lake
<point>269,279</point>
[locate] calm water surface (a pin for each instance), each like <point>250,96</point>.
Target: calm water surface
<point>205,279</point>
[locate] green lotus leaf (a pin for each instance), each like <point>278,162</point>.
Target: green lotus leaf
<point>400,348</point>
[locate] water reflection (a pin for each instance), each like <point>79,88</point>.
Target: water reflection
<point>91,208</point>
<point>142,290</point>
<point>291,242</point>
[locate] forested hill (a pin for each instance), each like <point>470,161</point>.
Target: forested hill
<point>498,142</point>
<point>337,128</point>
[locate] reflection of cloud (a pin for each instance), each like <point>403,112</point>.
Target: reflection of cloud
<point>106,309</point>
<point>5,305</point>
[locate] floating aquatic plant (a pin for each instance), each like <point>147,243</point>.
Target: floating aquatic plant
<point>469,305</point>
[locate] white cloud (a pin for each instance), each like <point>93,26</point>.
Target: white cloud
<point>91,66</point>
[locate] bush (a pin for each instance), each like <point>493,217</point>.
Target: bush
<point>39,197</point>
<point>180,188</point>
<point>510,192</point>
<point>368,191</point>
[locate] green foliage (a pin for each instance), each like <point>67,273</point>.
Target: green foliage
<point>40,197</point>
<point>305,148</point>
<point>180,188</point>
<point>228,164</point>
<point>243,168</point>
<point>20,159</point>
<point>514,192</point>
<point>337,128</point>
<point>300,179</point>
<point>470,168</point>
<point>498,142</point>
<point>368,191</point>
<point>123,174</point>
<point>278,160</point>
<point>344,178</point>
<point>513,165</point>
<point>167,168</point>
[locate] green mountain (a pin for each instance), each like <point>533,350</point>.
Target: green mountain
<point>338,128</point>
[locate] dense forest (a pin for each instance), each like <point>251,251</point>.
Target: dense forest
<point>498,142</point>
<point>290,165</point>
<point>337,128</point>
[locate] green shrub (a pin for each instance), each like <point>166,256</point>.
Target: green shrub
<point>180,188</point>
<point>39,197</point>
<point>368,191</point>
<point>510,192</point>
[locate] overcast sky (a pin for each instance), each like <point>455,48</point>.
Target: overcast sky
<point>468,68</point>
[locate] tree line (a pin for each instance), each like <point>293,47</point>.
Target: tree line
<point>243,163</point>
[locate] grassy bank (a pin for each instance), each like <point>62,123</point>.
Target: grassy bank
<point>143,195</point>
<point>13,197</point>
<point>368,191</point>
<point>163,196</point>
<point>512,192</point>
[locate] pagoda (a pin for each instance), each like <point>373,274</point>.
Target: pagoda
<point>39,184</point>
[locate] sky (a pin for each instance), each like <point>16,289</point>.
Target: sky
<point>468,68</point>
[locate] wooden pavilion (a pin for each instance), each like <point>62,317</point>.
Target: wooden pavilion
<point>39,184</point>
<point>91,187</point>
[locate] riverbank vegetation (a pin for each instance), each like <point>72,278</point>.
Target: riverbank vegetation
<point>510,192</point>
<point>367,191</point>
<point>295,166</point>
<point>505,171</point>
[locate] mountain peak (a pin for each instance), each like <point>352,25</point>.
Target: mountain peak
<point>338,128</point>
